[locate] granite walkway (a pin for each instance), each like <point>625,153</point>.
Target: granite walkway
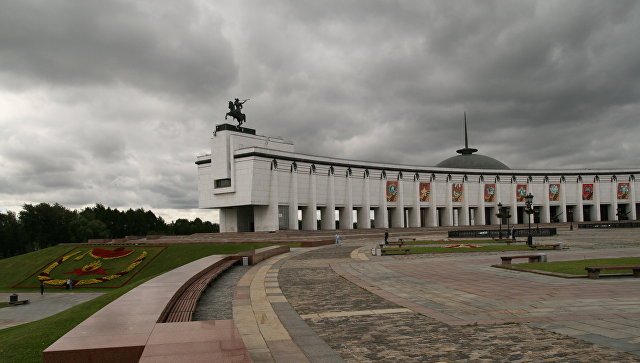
<point>333,304</point>
<point>40,306</point>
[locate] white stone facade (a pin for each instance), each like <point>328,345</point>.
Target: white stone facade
<point>259,183</point>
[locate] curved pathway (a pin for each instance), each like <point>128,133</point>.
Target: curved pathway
<point>441,301</point>
<point>342,304</point>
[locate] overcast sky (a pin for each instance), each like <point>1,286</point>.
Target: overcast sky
<point>110,101</point>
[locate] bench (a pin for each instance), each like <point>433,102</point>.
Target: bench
<point>506,260</point>
<point>594,272</point>
<point>395,243</point>
<point>406,239</point>
<point>553,246</point>
<point>19,302</point>
<point>385,250</point>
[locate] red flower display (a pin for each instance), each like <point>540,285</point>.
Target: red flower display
<point>108,254</point>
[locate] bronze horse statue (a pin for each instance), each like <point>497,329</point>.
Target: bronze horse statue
<point>236,113</point>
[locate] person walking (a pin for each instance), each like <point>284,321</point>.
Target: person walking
<point>338,241</point>
<point>386,237</point>
<point>41,288</point>
<point>513,233</point>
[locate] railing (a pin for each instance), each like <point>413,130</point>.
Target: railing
<point>494,233</point>
<point>610,224</point>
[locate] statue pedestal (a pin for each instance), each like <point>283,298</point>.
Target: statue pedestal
<point>229,127</point>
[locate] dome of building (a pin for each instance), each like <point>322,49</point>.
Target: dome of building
<point>467,159</point>
<point>472,161</point>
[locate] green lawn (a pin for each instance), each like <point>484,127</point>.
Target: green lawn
<point>577,267</point>
<point>471,242</point>
<point>489,248</point>
<point>24,343</point>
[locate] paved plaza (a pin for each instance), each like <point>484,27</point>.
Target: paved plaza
<point>342,304</point>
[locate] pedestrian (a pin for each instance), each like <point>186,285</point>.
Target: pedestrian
<point>386,237</point>
<point>41,288</point>
<point>69,286</point>
<point>338,241</point>
<point>513,233</point>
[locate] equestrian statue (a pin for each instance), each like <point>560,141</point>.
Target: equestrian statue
<point>235,111</point>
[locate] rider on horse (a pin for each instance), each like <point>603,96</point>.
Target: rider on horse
<point>235,111</point>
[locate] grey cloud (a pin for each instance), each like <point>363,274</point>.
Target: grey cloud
<point>162,47</point>
<point>128,93</point>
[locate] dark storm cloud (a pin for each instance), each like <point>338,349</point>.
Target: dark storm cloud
<point>162,47</point>
<point>109,102</point>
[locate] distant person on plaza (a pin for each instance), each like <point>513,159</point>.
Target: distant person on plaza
<point>338,241</point>
<point>69,284</point>
<point>513,233</point>
<point>41,288</point>
<point>386,237</point>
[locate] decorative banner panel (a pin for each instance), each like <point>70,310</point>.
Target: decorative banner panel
<point>521,193</point>
<point>587,191</point>
<point>489,193</point>
<point>457,192</point>
<point>392,191</point>
<point>623,190</point>
<point>425,192</point>
<point>554,192</point>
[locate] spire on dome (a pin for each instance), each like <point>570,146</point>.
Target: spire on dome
<point>466,150</point>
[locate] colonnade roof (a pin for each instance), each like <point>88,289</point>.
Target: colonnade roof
<point>337,162</point>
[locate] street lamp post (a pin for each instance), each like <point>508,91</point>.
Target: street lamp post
<point>529,211</point>
<point>570,213</point>
<point>499,215</point>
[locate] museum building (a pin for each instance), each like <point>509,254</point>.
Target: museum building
<point>259,183</point>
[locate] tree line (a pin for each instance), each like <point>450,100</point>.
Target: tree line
<point>43,225</point>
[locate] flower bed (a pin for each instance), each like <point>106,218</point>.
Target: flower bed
<point>93,267</point>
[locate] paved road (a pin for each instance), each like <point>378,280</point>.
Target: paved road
<point>40,306</point>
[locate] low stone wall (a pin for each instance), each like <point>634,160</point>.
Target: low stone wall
<point>261,254</point>
<point>120,331</point>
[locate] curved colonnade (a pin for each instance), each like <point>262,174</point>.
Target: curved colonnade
<point>260,184</point>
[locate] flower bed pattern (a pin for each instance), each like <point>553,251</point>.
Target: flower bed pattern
<point>93,267</point>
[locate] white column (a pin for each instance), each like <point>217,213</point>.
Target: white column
<point>596,200</point>
<point>364,218</point>
<point>563,203</point>
<point>310,216</point>
<point>346,217</point>
<point>293,200</point>
<point>545,213</point>
<point>381,214</point>
<point>514,204</point>
<point>614,201</point>
<point>632,191</point>
<point>463,218</point>
<point>578,216</point>
<point>433,203</point>
<point>329,216</point>
<point>480,217</point>
<point>414,212</point>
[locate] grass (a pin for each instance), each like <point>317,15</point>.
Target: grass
<point>577,267</point>
<point>25,343</point>
<point>471,242</point>
<point>465,250</point>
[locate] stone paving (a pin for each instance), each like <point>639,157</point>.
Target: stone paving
<point>40,306</point>
<point>334,304</point>
<point>458,308</point>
